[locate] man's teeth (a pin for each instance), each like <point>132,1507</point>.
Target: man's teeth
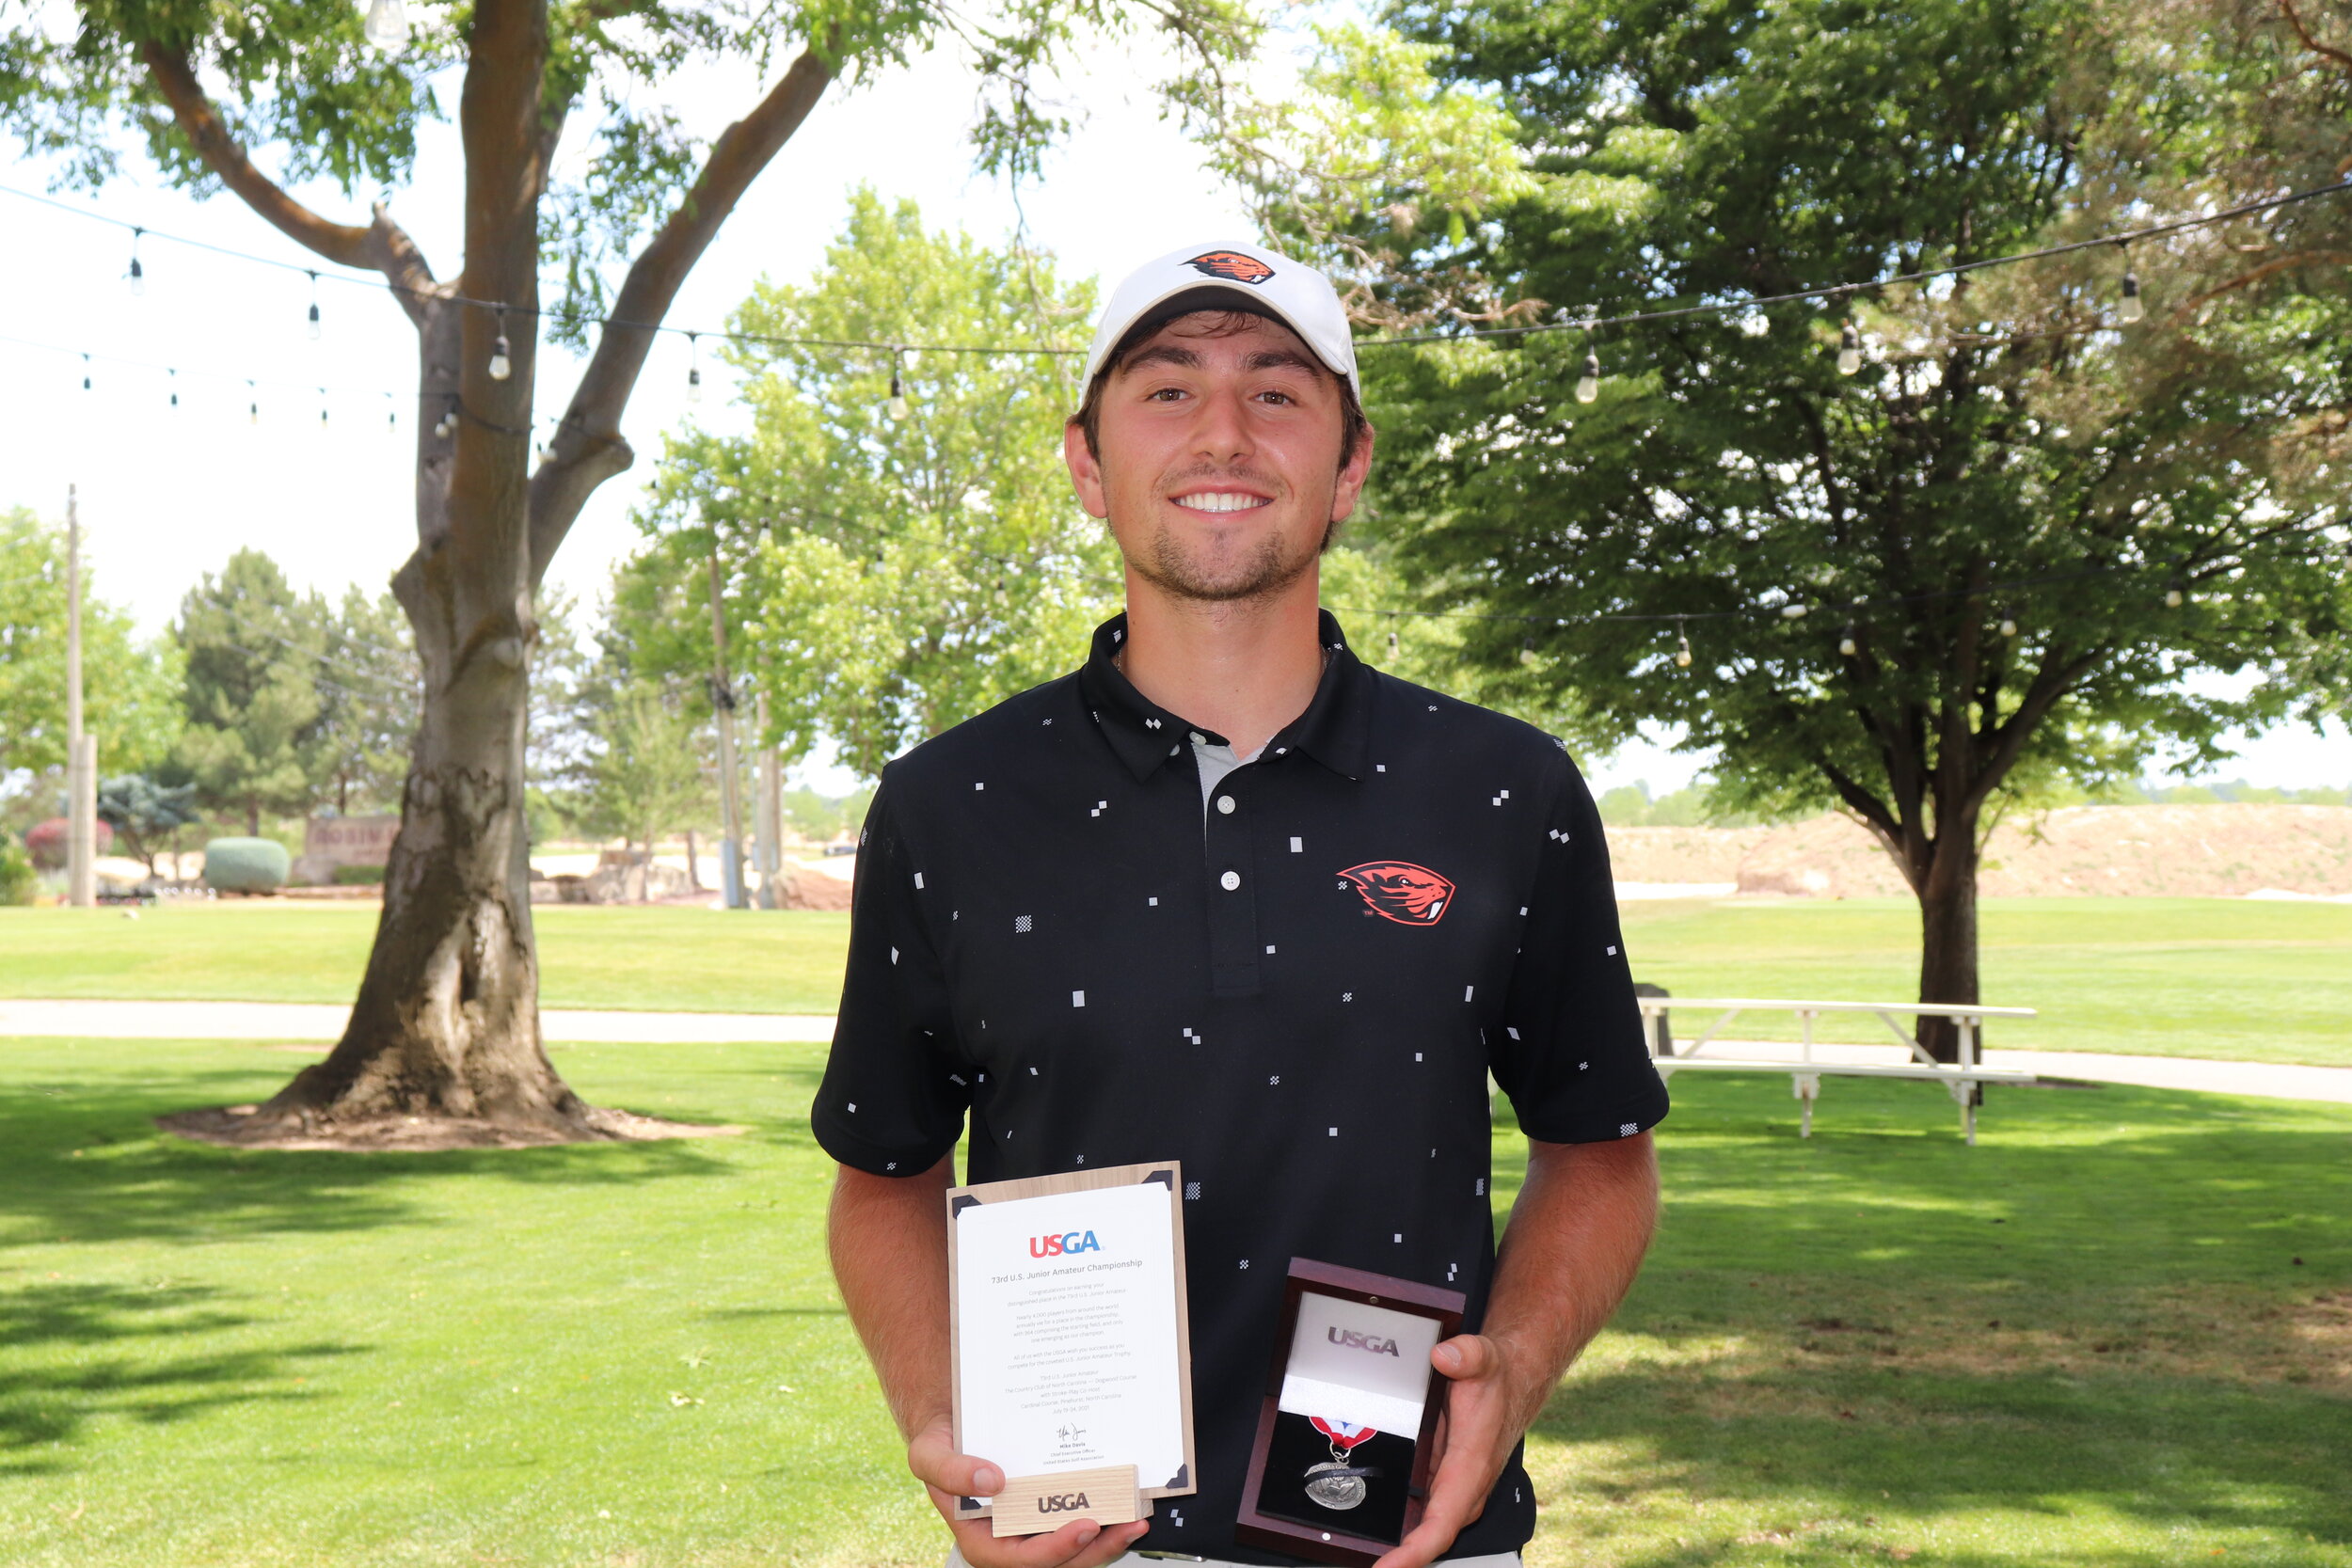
<point>1220,501</point>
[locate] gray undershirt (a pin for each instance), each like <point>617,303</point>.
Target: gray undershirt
<point>1214,762</point>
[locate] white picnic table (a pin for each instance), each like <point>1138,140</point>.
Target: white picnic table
<point>1961,1078</point>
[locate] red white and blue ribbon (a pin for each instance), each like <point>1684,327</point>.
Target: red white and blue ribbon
<point>1343,1434</point>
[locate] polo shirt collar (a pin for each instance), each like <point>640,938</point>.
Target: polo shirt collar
<point>1334,730</point>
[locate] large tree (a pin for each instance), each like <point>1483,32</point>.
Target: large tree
<point>254,741</point>
<point>446,1022</point>
<point>1987,554</point>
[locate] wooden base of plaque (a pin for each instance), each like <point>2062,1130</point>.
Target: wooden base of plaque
<point>1031,1505</point>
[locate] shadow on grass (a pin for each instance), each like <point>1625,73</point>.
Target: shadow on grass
<point>60,1375</point>
<point>2135,1305</point>
<point>84,1161</point>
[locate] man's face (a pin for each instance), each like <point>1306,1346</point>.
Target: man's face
<point>1219,470</point>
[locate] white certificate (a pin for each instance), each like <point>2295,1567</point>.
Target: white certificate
<point>1071,1345</point>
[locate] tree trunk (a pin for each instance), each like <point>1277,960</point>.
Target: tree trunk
<point>1948,939</point>
<point>252,817</point>
<point>693,863</point>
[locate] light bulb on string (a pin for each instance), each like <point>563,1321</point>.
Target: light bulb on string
<point>1393,644</point>
<point>693,367</point>
<point>253,404</point>
<point>174,384</point>
<point>1849,644</point>
<point>321,410</point>
<point>387,26</point>
<point>501,354</point>
<point>1683,649</point>
<point>2009,627</point>
<point>1793,612</point>
<point>2129,308</point>
<point>2175,595</point>
<point>898,407</point>
<point>85,372</point>
<point>138,274</point>
<point>1849,349</point>
<point>391,414</point>
<point>1588,385</point>
<point>1526,653</point>
<point>314,308</point>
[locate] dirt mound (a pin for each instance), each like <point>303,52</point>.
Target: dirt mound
<point>2207,851</point>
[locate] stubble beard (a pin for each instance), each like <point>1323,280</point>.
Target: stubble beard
<point>1166,563</point>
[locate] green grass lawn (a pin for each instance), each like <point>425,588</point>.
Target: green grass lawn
<point>2173,976</point>
<point>2086,1341</point>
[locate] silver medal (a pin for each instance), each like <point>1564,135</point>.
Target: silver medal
<point>1334,1491</point>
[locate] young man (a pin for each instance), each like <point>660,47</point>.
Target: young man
<point>1228,895</point>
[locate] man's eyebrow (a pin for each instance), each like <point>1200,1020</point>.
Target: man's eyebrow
<point>1163,353</point>
<point>1275,358</point>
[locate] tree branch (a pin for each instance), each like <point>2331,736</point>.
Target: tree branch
<point>381,246</point>
<point>2326,52</point>
<point>589,448</point>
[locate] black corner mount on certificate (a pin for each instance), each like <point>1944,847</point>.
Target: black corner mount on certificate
<point>1339,1470</point>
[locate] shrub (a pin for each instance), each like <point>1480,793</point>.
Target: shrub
<point>47,843</point>
<point>359,876</point>
<point>17,876</point>
<point>246,864</point>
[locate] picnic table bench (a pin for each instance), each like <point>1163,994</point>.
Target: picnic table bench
<point>1962,1078</point>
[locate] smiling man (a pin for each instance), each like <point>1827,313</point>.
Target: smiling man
<point>1230,897</point>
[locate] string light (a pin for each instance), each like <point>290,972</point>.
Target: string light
<point>2130,310</point>
<point>391,413</point>
<point>693,367</point>
<point>387,26</point>
<point>175,386</point>
<point>314,308</point>
<point>1847,645</point>
<point>85,372</point>
<point>1588,385</point>
<point>1849,349</point>
<point>2175,595</point>
<point>897,407</point>
<point>502,355</point>
<point>1526,653</point>
<point>1683,649</point>
<point>138,274</point>
<point>321,410</point>
<point>2009,627</point>
<point>253,404</point>
<point>1793,612</point>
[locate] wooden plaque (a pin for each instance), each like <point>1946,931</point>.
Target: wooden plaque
<point>1185,1481</point>
<point>1032,1505</point>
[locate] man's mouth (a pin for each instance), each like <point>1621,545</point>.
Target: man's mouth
<point>1221,500</point>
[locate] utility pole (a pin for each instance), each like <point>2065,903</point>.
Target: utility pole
<point>723,701</point>
<point>81,768</point>
<point>767,830</point>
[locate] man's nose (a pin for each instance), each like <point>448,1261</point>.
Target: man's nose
<point>1221,430</point>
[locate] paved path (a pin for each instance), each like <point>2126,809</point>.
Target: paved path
<point>322,1022</point>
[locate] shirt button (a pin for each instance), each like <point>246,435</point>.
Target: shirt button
<point>1225,804</point>
<point>1230,881</point>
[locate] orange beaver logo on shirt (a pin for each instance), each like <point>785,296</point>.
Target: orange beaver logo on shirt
<point>1400,891</point>
<point>1232,266</point>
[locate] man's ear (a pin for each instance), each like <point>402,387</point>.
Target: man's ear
<point>1086,472</point>
<point>1351,481</point>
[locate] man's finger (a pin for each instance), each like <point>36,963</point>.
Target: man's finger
<point>1080,1543</point>
<point>1465,1355</point>
<point>933,1459</point>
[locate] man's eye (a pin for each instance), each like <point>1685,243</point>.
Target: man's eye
<point>1166,394</point>
<point>1276,397</point>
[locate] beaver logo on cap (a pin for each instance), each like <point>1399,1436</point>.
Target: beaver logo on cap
<point>1232,266</point>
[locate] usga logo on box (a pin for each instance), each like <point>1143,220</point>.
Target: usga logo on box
<point>1062,1502</point>
<point>1355,1339</point>
<point>1069,1241</point>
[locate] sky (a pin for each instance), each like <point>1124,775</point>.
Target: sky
<point>168,492</point>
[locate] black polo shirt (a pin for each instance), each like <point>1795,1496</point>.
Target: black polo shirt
<point>1299,993</point>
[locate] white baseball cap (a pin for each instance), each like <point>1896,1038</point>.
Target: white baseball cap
<point>1292,292</point>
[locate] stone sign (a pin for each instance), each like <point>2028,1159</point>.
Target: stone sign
<point>328,842</point>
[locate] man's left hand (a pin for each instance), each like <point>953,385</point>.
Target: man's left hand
<point>1487,1409</point>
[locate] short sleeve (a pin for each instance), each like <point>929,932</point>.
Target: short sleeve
<point>1573,1056</point>
<point>894,1095</point>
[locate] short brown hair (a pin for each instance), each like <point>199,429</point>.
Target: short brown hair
<point>1233,314</point>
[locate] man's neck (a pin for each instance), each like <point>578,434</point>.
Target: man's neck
<point>1243,668</point>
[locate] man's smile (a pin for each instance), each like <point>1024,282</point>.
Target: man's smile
<point>1221,500</point>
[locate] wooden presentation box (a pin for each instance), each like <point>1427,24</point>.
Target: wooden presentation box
<point>1277,1512</point>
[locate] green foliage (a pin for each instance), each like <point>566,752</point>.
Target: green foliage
<point>130,687</point>
<point>358,875</point>
<point>1999,433</point>
<point>255,742</point>
<point>645,776</point>
<point>368,686</point>
<point>820,819</point>
<point>142,811</point>
<point>18,880</point>
<point>886,577</point>
<point>1697,805</point>
<point>1375,169</point>
<point>246,864</point>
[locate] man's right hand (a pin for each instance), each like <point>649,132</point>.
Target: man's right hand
<point>948,1475</point>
